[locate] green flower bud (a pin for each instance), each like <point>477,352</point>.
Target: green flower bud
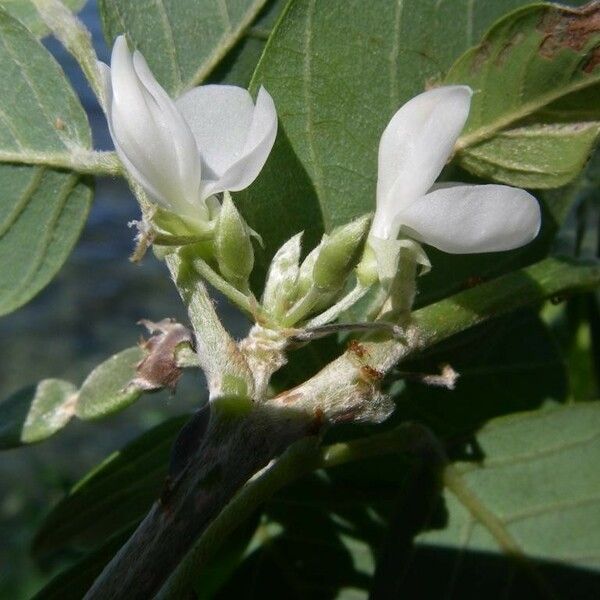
<point>339,254</point>
<point>233,248</point>
<point>305,277</point>
<point>280,288</point>
<point>367,269</point>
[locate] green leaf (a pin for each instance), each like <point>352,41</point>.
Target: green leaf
<point>509,365</point>
<point>72,583</point>
<point>534,117</point>
<point>239,64</point>
<point>37,412</point>
<point>25,11</point>
<point>109,387</point>
<point>42,120</point>
<point>113,496</point>
<point>535,495</point>
<point>182,41</point>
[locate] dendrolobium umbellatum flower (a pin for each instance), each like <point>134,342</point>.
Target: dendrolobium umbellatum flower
<point>456,218</point>
<point>212,139</point>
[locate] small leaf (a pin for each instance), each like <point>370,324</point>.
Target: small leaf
<point>109,388</point>
<point>25,11</point>
<point>43,122</point>
<point>37,412</point>
<point>113,496</point>
<point>182,41</point>
<point>535,115</point>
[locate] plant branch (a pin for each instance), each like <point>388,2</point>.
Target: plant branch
<point>340,386</point>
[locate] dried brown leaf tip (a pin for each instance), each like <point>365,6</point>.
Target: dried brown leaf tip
<point>569,28</point>
<point>159,368</point>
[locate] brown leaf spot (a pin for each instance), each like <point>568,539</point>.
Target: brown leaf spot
<point>568,28</point>
<point>593,61</point>
<point>504,54</point>
<point>482,55</point>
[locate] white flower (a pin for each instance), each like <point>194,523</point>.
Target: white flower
<point>212,139</point>
<point>456,218</point>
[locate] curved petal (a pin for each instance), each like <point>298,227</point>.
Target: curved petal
<point>188,157</point>
<point>150,135</point>
<point>414,148</point>
<point>473,218</point>
<point>220,117</point>
<point>259,143</point>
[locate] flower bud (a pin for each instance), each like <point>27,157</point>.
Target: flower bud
<point>339,254</point>
<point>280,288</point>
<point>305,277</point>
<point>233,248</point>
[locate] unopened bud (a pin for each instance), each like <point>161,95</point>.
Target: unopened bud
<point>280,288</point>
<point>233,248</point>
<point>305,276</point>
<point>339,254</point>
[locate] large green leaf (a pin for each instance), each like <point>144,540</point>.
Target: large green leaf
<point>25,11</point>
<point>536,495</point>
<point>42,210</point>
<point>533,498</point>
<point>112,497</point>
<point>182,41</point>
<point>506,366</point>
<point>239,64</point>
<point>535,115</point>
<point>73,582</point>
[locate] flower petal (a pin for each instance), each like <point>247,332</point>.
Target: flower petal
<point>188,157</point>
<point>260,140</point>
<point>415,147</point>
<point>150,136</point>
<point>473,218</point>
<point>220,117</point>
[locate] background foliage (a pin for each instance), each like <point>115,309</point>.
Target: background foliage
<point>524,485</point>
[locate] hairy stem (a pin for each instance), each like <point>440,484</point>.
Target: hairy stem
<point>225,367</point>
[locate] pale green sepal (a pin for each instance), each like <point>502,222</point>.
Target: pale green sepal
<point>339,254</point>
<point>233,247</point>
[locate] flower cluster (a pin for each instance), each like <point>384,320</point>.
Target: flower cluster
<point>214,139</point>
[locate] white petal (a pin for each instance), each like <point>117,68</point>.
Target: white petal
<point>473,218</point>
<point>151,137</point>
<point>259,143</point>
<point>220,117</point>
<point>188,157</point>
<point>415,147</point>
